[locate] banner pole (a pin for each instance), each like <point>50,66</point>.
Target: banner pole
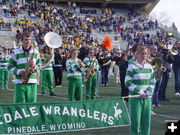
<point>132,96</point>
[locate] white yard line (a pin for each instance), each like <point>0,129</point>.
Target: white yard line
<point>166,116</point>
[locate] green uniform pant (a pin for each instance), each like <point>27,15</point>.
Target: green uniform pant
<point>91,87</point>
<point>140,115</point>
<point>75,89</point>
<point>47,81</point>
<point>4,78</point>
<point>25,93</point>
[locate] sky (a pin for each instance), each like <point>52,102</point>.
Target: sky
<point>168,10</point>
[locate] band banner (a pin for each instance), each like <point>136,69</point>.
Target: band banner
<point>66,116</point>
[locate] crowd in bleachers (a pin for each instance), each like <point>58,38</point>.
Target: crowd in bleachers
<point>76,25</point>
<point>5,25</point>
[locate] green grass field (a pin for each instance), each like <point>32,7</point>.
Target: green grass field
<point>165,112</point>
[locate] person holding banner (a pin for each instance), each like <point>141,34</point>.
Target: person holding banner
<point>74,68</point>
<point>140,81</point>
<point>24,63</point>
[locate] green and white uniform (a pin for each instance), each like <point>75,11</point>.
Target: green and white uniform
<point>140,80</point>
<point>47,76</point>
<point>74,77</point>
<point>18,62</point>
<point>4,72</point>
<point>91,84</point>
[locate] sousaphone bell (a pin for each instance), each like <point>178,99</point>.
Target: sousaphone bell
<point>53,40</point>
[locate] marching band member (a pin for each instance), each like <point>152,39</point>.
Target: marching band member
<point>91,76</point>
<point>74,68</point>
<point>58,68</point>
<point>24,63</point>
<point>176,69</point>
<point>158,74</point>
<point>4,61</point>
<point>47,71</point>
<point>1,71</point>
<point>105,61</point>
<point>175,60</point>
<point>117,59</point>
<point>140,81</point>
<point>98,72</point>
<point>165,76</point>
<point>123,65</point>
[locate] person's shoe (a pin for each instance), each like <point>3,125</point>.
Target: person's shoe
<point>60,86</point>
<point>158,105</point>
<point>43,94</point>
<point>57,86</point>
<point>153,113</point>
<point>177,94</point>
<point>103,85</point>
<point>53,94</point>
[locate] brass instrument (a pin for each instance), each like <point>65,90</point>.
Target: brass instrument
<point>29,71</point>
<point>173,51</point>
<point>48,59</point>
<point>90,72</point>
<point>53,40</point>
<point>41,53</point>
<point>156,63</point>
<point>79,46</point>
<point>163,69</point>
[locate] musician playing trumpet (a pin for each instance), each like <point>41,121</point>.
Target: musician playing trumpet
<point>24,63</point>
<point>74,67</point>
<point>91,76</point>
